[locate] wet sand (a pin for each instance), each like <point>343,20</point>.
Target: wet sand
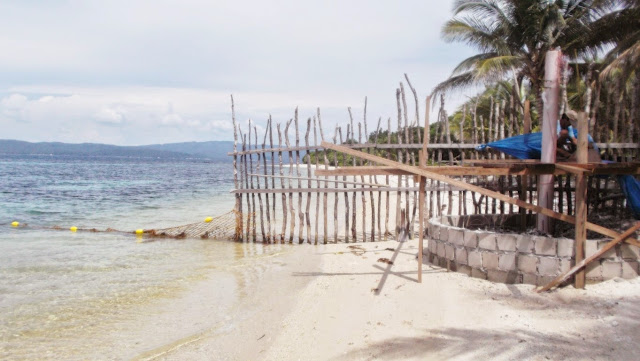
<point>356,307</point>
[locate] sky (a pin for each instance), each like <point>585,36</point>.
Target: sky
<point>133,72</point>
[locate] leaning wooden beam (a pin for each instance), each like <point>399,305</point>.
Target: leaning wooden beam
<point>415,170</point>
<point>628,233</point>
<point>451,170</point>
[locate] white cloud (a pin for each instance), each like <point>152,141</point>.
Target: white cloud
<point>115,65</point>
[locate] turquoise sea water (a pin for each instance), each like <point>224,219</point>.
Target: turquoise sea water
<point>67,295</point>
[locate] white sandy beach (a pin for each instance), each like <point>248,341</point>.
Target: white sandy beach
<point>348,305</point>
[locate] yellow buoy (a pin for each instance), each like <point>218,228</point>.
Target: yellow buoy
<point>15,224</point>
<point>73,229</point>
<point>208,219</point>
<point>139,231</point>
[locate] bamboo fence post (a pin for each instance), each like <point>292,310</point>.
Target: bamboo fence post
<point>237,183</point>
<point>273,180</point>
<point>266,181</point>
<point>346,195</point>
<point>317,155</point>
<point>421,199</point>
<point>253,196</point>
<point>363,198</point>
<point>399,154</point>
<point>308,156</point>
<point>264,236</point>
<point>386,221</point>
<point>373,222</point>
<point>246,185</point>
<point>408,158</point>
<point>325,195</point>
<point>352,131</point>
<point>475,125</point>
<point>284,195</point>
<point>291,208</point>
<point>416,102</point>
<point>425,149</point>
<point>335,205</point>
<point>300,211</point>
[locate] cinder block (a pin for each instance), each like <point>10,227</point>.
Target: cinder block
<point>490,260</point>
<point>590,247</point>
<point>471,239</point>
<point>566,247</point>
<point>565,265</point>
<point>449,252</point>
<point>507,242</point>
<point>442,262</point>
<point>593,271</point>
<point>507,262</point>
<point>611,269</point>
<point>462,256</point>
<point>545,246</point>
<point>529,278</point>
<point>502,276</point>
<point>432,245</point>
<point>487,241</point>
<point>608,254</point>
<point>630,270</point>
<point>444,233</point>
<point>528,264</point>
<point>476,273</point>
<point>475,259</point>
<point>629,252</point>
<point>440,251</point>
<point>456,236</point>
<point>524,244</point>
<point>434,231</point>
<point>548,266</point>
<point>464,269</point>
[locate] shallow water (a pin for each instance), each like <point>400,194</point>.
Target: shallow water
<point>86,295</point>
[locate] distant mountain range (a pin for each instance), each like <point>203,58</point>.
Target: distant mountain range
<point>216,150</point>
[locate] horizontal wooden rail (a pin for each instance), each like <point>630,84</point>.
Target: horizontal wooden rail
<point>407,146</point>
<point>345,190</point>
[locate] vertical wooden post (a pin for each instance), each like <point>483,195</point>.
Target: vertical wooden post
<point>581,197</point>
<point>423,155</point>
<point>524,184</point>
<point>549,135</point>
<point>237,182</point>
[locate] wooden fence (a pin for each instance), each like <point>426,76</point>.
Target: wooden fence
<point>280,199</point>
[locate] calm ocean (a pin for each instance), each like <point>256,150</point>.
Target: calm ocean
<point>81,295</point>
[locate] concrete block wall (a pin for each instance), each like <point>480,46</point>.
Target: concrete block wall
<point>458,242</point>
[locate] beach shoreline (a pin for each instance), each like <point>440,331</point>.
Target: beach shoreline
<point>347,303</point>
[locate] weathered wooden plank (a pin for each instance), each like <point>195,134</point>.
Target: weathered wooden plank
<point>450,170</point>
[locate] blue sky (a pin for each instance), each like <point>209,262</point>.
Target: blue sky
<point>142,72</point>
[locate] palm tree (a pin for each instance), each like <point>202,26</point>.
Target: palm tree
<point>621,27</point>
<point>513,36</point>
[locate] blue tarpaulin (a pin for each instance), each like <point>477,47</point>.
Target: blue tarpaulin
<point>529,146</point>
